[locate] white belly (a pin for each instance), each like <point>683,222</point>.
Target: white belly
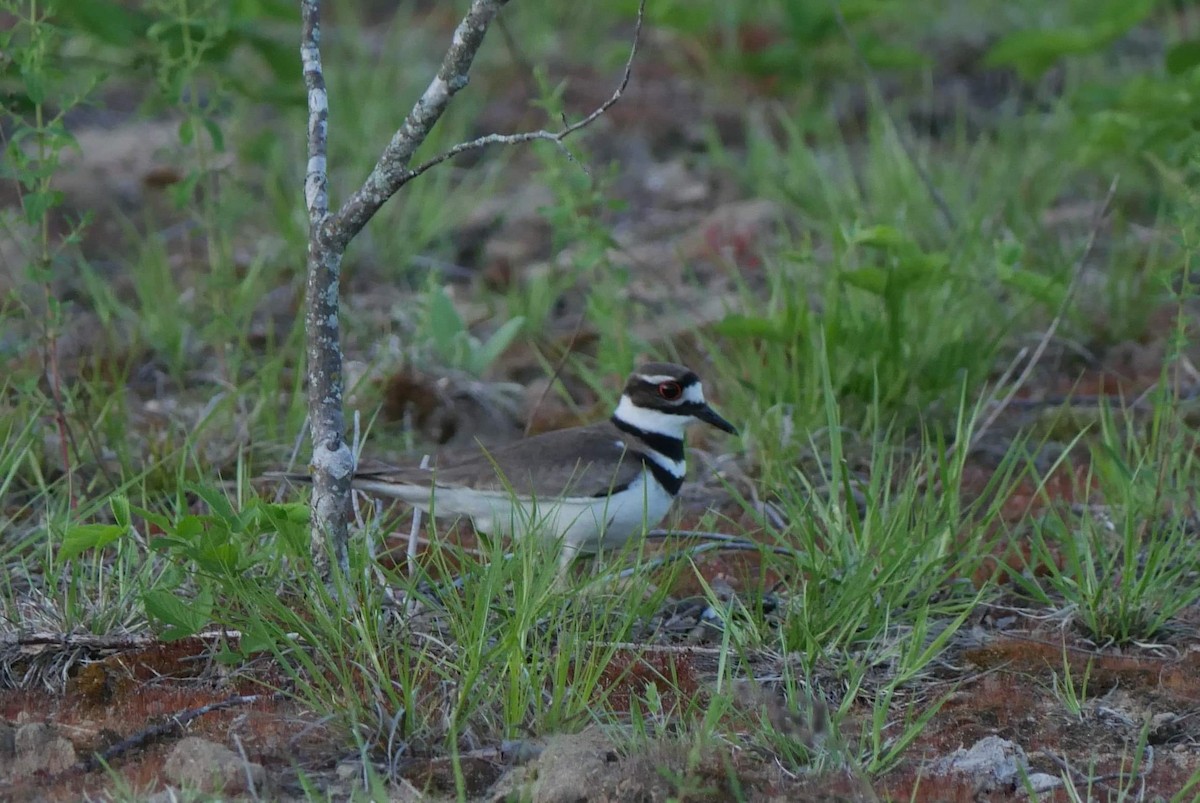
<point>584,525</point>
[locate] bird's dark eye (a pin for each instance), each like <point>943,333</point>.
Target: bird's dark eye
<point>670,391</point>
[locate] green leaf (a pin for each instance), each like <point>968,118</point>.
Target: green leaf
<point>751,327</point>
<point>120,509</point>
<point>82,537</point>
<point>256,638</point>
<point>885,238</point>
<point>445,324</point>
<point>216,501</point>
<point>215,133</point>
<point>873,280</point>
<point>1033,51</point>
<point>1044,289</point>
<point>1183,56</point>
<point>183,617</point>
<point>111,22</point>
<point>38,203</point>
<point>290,522</point>
<point>158,520</point>
<point>191,526</point>
<point>490,351</point>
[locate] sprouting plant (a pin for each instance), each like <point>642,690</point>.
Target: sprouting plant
<point>453,341</point>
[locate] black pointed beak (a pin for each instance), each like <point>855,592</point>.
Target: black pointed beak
<point>709,416</point>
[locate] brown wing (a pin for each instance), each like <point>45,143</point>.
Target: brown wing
<point>547,465</point>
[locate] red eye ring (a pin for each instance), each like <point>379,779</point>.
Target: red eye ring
<point>671,391</point>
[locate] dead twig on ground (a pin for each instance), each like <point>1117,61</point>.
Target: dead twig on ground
<point>173,725</point>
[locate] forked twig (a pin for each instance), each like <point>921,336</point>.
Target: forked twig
<point>999,407</point>
<point>169,727</point>
<point>562,362</point>
<point>1048,335</point>
<point>556,137</point>
<point>909,152</point>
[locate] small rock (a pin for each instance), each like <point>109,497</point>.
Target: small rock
<point>1041,782</point>
<point>348,770</point>
<point>571,763</point>
<point>993,762</point>
<point>37,747</point>
<point>206,766</point>
<point>672,182</point>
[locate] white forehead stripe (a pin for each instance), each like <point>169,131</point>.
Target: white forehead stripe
<point>692,392</point>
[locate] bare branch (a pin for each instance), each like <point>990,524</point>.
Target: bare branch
<point>390,172</point>
<point>556,137</point>
<point>172,725</point>
<point>909,151</point>
<point>1048,335</point>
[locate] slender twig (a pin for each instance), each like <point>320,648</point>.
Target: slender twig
<point>66,442</point>
<point>562,361</point>
<point>169,727</point>
<point>291,463</point>
<point>556,137</point>
<point>1048,335</point>
<point>910,152</point>
<point>79,641</point>
<point>414,535</point>
<point>391,170</point>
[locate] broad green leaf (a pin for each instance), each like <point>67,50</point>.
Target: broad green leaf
<point>120,509</point>
<point>217,502</point>
<point>191,526</point>
<point>38,203</point>
<point>887,238</point>
<point>183,617</point>
<point>111,22</point>
<point>1033,51</point>
<point>445,324</point>
<point>215,133</point>
<point>290,522</point>
<point>157,519</point>
<point>217,555</point>
<point>1183,56</point>
<point>1044,289</point>
<point>490,351</point>
<point>82,537</point>
<point>750,328</point>
<point>873,280</point>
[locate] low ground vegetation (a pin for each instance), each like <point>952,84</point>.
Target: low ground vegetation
<point>934,262</point>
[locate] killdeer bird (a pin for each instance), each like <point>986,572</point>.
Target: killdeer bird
<point>593,487</point>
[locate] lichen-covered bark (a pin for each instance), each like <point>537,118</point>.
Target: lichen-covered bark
<point>332,462</point>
